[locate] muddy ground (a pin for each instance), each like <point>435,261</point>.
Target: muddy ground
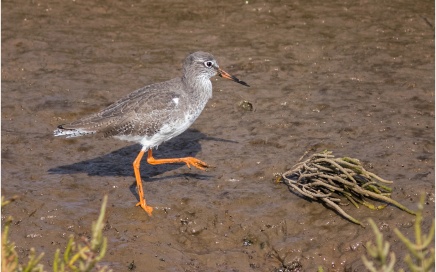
<point>354,77</point>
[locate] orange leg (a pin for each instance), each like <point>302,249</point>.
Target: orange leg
<point>188,160</point>
<point>141,202</point>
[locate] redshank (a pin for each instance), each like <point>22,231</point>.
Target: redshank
<point>155,113</point>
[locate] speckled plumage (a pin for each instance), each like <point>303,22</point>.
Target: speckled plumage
<point>155,113</point>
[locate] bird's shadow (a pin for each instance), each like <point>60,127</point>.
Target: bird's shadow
<point>119,162</point>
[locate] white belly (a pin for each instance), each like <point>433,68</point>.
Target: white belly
<point>168,131</point>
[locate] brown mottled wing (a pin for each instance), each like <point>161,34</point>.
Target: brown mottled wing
<point>142,112</point>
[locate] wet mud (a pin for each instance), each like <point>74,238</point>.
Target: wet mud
<point>353,77</point>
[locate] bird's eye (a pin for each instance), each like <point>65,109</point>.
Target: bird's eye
<point>208,63</point>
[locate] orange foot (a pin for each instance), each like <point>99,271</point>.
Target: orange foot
<point>195,162</point>
<point>188,160</point>
<point>145,207</point>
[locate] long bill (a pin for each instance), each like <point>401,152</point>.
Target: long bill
<point>226,75</point>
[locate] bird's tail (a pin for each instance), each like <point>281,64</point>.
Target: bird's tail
<point>72,132</point>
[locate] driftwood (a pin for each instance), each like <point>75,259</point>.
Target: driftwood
<point>324,178</point>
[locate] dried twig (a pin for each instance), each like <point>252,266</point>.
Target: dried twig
<point>324,178</point>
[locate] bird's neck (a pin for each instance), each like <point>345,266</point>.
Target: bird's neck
<point>198,86</point>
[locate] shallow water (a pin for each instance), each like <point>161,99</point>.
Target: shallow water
<point>353,77</point>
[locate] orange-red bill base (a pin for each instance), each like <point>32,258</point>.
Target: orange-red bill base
<point>224,74</point>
